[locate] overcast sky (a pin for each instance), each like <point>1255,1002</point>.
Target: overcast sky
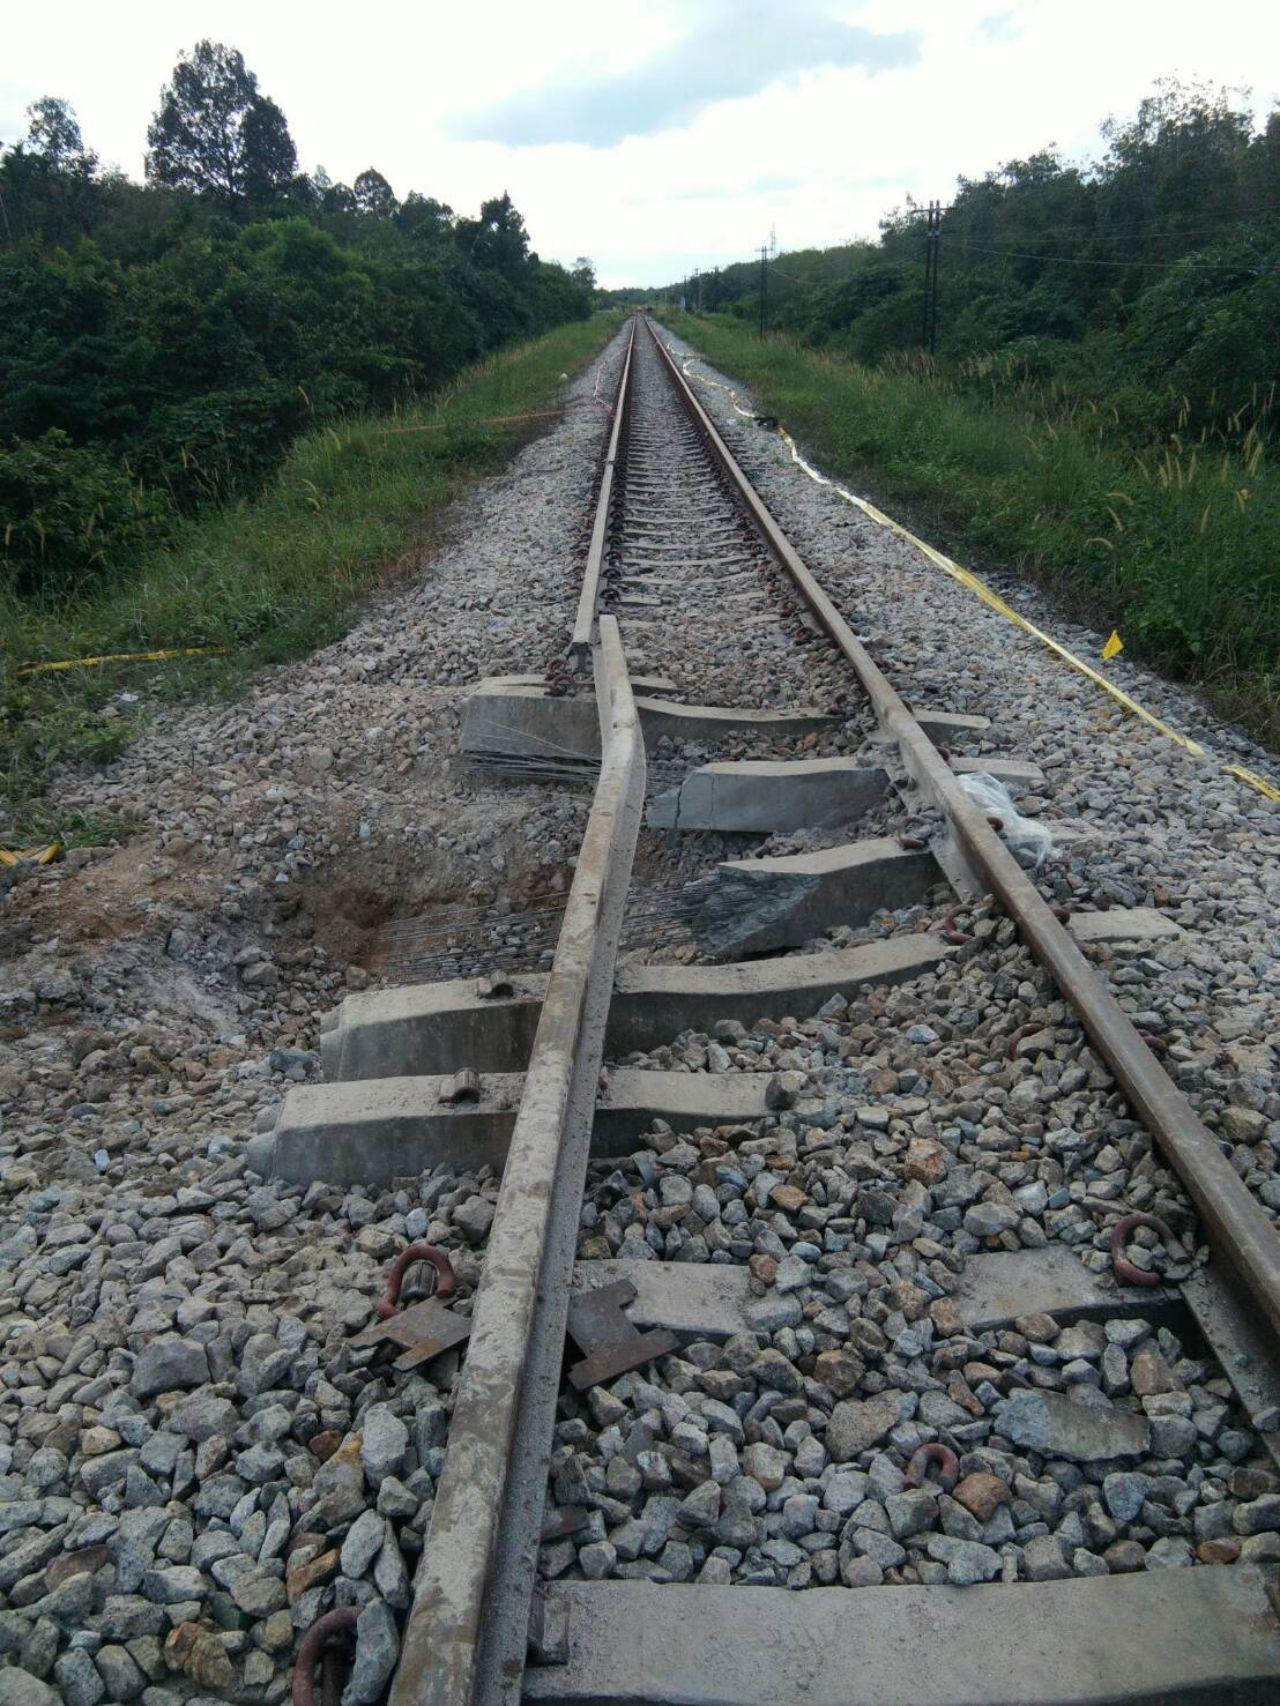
<point>655,135</point>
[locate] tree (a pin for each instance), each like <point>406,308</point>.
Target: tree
<point>423,216</point>
<point>583,271</point>
<point>374,195</point>
<point>338,198</point>
<point>498,238</point>
<point>53,135</point>
<point>216,135</point>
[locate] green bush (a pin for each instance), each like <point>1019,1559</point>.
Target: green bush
<point>1175,544</point>
<point>269,576</point>
<point>68,512</point>
<point>170,362</point>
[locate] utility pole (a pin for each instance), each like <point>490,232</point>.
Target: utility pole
<point>764,289</point>
<point>4,211</point>
<point>715,290</point>
<point>932,235</point>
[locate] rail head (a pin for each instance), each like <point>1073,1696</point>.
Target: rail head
<point>440,1656</point>
<point>584,626</point>
<point>1242,1232</point>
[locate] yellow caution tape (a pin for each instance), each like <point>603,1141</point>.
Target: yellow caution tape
<point>34,855</point>
<point>1113,647</point>
<point>992,599</point>
<point>122,657</point>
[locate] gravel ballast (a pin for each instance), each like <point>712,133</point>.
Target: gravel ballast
<point>195,1460</point>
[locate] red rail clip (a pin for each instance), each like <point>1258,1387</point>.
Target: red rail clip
<point>951,931</point>
<point>388,1304</point>
<point>935,1452</point>
<point>1125,1269</point>
<point>324,1630</point>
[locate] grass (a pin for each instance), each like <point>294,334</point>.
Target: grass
<point>268,579</point>
<point>1176,544</point>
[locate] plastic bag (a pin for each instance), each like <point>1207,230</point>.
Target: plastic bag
<point>1024,835</point>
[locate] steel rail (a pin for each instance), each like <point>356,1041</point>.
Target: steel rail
<point>441,1653</point>
<point>1243,1236</point>
<point>589,597</point>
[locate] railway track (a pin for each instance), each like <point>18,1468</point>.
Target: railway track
<point>752,1317</point>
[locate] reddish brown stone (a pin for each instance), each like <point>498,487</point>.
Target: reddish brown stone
<point>960,1392</point>
<point>789,1198</point>
<point>304,1576</point>
<point>82,1563</point>
<point>198,1653</point>
<point>1040,1329</point>
<point>1125,1555</point>
<point>839,1369</point>
<point>945,1315</point>
<point>323,1445</point>
<point>981,1494</point>
<point>1251,1481</point>
<point>926,1161</point>
<point>1223,1551</point>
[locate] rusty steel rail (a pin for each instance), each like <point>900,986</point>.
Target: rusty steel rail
<point>589,597</point>
<point>1242,1235</point>
<point>527,1268</point>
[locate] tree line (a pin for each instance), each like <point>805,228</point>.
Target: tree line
<point>1145,284</point>
<point>163,343</point>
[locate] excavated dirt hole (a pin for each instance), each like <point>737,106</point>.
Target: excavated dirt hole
<point>417,916</point>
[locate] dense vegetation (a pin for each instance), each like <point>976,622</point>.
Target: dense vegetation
<point>163,344</point>
<point>1149,281</point>
<point>1102,403</point>
<point>262,578</point>
<point>205,386</point>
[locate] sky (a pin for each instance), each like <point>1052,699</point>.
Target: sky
<point>655,136</point>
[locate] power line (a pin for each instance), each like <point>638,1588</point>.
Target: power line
<point>1106,234</point>
<point>1100,227</point>
<point>1099,234</point>
<point>1096,261</point>
<point>929,326</point>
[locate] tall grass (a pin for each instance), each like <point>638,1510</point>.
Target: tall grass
<point>1176,543</point>
<point>269,578</point>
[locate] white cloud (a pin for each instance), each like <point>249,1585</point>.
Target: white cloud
<point>737,49</point>
<point>820,150</point>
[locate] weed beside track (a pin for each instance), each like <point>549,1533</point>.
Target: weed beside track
<point>1175,542</point>
<point>353,506</point>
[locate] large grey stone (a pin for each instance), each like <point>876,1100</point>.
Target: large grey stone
<point>201,1415</point>
<point>20,1688</point>
<point>1056,1427</point>
<point>1124,1493</point>
<point>363,1543</point>
<point>78,1679</point>
<point>167,1364</point>
<point>967,1561</point>
<point>383,1445</point>
<point>377,1648</point>
<point>859,1423</point>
